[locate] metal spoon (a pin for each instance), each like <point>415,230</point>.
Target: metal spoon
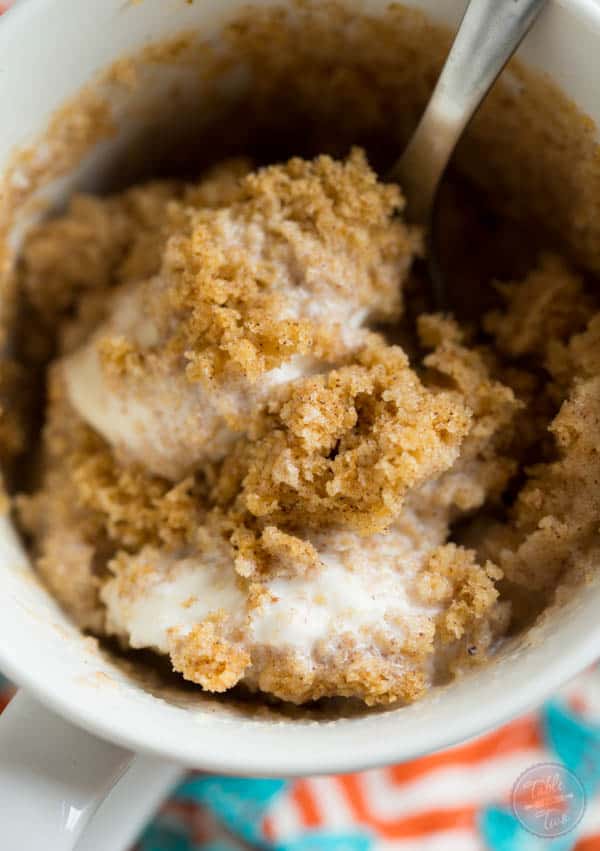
<point>489,34</point>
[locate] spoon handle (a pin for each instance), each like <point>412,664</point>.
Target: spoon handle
<point>489,34</point>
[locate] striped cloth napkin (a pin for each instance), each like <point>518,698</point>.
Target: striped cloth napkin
<point>472,797</point>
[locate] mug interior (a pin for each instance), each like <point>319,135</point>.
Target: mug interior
<point>204,96</point>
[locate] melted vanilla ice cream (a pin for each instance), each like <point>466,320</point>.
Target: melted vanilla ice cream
<point>360,599</point>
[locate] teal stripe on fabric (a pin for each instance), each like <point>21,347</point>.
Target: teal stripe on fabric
<point>239,803</point>
<point>327,841</point>
<point>157,839</point>
<point>501,831</point>
<point>575,741</point>
<point>161,837</point>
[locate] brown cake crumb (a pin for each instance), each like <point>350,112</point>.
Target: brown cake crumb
<point>345,447</point>
<point>205,655</point>
<point>346,473</point>
<point>261,278</point>
<point>555,519</point>
<point>95,245</point>
<point>229,444</point>
<point>545,309</point>
<point>451,575</point>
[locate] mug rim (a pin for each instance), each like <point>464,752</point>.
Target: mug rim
<point>268,753</point>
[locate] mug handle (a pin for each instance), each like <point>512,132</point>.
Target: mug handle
<point>54,777</point>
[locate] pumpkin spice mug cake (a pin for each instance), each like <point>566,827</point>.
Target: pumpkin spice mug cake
<point>266,511</point>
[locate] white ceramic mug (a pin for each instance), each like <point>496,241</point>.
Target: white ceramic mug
<point>60,757</point>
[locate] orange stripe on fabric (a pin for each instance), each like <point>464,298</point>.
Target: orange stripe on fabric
<point>523,734</point>
<point>5,698</point>
<point>305,801</point>
<point>407,827</point>
<point>268,829</point>
<point>185,810</point>
<point>578,704</point>
<point>590,843</point>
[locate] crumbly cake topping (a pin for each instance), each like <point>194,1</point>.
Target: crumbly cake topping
<point>330,226</point>
<point>546,309</point>
<point>238,474</point>
<point>262,278</point>
<point>487,460</point>
<point>218,562</point>
<point>345,603</point>
<point>345,447</point>
<point>95,245</point>
<point>248,281</point>
<point>207,657</point>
